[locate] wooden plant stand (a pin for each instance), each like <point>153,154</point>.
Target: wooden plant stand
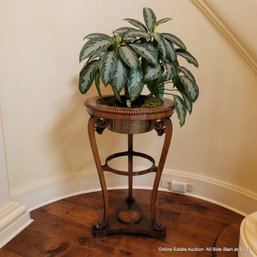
<point>129,217</point>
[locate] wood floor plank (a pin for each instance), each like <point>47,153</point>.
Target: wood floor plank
<point>75,251</point>
<point>34,244</point>
<point>5,253</point>
<point>63,229</point>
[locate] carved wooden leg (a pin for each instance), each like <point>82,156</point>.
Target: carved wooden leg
<point>98,125</point>
<point>161,126</point>
<point>130,167</point>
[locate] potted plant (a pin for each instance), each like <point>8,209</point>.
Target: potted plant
<point>129,60</point>
<point>139,56</point>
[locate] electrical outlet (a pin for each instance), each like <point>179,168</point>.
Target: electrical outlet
<point>165,183</point>
<point>177,186</point>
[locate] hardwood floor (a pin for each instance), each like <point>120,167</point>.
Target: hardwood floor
<point>63,229</point>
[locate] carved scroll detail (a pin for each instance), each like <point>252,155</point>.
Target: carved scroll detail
<point>101,125</point>
<point>159,126</point>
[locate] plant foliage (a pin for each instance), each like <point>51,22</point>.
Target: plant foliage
<point>138,56</point>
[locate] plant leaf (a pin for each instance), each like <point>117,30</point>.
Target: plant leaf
<point>159,89</point>
<point>136,23</point>
<point>191,88</point>
<point>153,72</point>
<point>137,33</point>
<point>119,76</point>
<point>174,39</point>
<point>97,83</point>
<point>97,36</point>
<point>87,75</point>
<point>189,57</point>
<point>143,51</point>
<point>180,109</point>
<point>156,36</point>
<point>152,49</point>
<point>135,84</point>
<point>167,50</point>
<point>116,93</point>
<point>107,66</point>
<point>93,47</point>
<point>150,86</point>
<point>188,103</point>
<point>162,21</point>
<point>150,18</point>
<point>187,73</point>
<point>171,71</point>
<point>129,57</point>
<point>122,30</point>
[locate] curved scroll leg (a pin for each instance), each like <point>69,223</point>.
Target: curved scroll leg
<point>96,125</point>
<point>161,126</point>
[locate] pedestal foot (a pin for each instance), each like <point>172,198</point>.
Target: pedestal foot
<point>99,229</point>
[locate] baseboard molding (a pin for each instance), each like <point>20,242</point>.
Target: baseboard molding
<point>212,190</point>
<point>216,191</point>
<point>14,217</point>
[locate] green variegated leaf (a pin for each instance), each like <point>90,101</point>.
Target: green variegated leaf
<point>156,36</point>
<point>162,21</point>
<point>145,53</point>
<point>119,76</point>
<point>159,89</point>
<point>97,36</point>
<point>129,57</point>
<point>97,83</point>
<point>166,49</point>
<point>187,73</point>
<point>180,109</point>
<point>107,67</point>
<point>153,72</point>
<point>150,85</point>
<point>173,39</point>
<point>136,23</point>
<point>93,47</point>
<point>97,54</point>
<point>87,75</point>
<point>122,30</point>
<point>171,71</point>
<point>189,57</point>
<point>116,93</point>
<point>191,89</point>
<point>152,49</point>
<point>188,103</point>
<point>150,18</point>
<point>135,34</point>
<point>135,84</point>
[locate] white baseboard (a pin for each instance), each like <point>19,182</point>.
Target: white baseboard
<point>212,190</point>
<point>14,217</point>
<point>216,191</point>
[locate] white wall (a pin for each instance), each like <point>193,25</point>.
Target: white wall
<point>239,17</point>
<point>4,188</point>
<point>14,217</point>
<point>44,119</point>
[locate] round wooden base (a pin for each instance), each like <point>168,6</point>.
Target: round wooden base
<point>129,216</point>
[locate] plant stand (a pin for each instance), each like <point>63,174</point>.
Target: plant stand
<point>129,217</point>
